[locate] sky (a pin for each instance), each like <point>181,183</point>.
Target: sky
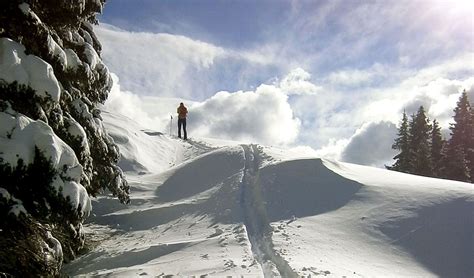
<point>332,77</point>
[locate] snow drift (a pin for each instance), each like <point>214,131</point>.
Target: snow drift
<point>235,209</point>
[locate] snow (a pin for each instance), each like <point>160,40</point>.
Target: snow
<point>76,130</point>
<point>29,70</point>
<point>77,38</point>
<point>5,194</point>
<point>140,152</point>
<point>92,58</point>
<point>54,250</point>
<point>19,135</point>
<point>223,208</point>
<point>55,245</point>
<point>56,51</point>
<point>15,209</point>
<point>25,8</point>
<point>82,109</point>
<point>87,38</point>
<point>73,61</point>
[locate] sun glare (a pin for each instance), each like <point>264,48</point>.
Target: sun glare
<point>458,6</point>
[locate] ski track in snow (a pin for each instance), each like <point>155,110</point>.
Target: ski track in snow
<point>256,221</point>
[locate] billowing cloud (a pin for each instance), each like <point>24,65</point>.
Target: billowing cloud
<point>298,82</point>
<point>335,121</point>
<point>439,94</point>
<point>263,115</point>
<point>371,144</point>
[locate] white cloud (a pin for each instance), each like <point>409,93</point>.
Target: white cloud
<point>438,97</point>
<point>291,110</point>
<point>457,65</point>
<point>263,116</point>
<point>161,64</point>
<point>335,122</point>
<point>260,116</point>
<point>350,77</point>
<point>129,104</point>
<point>358,77</point>
<point>333,148</point>
<point>358,129</point>
<point>371,144</point>
<point>263,55</point>
<point>155,64</point>
<point>438,94</point>
<point>297,82</point>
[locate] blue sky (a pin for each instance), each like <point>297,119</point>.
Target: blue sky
<point>345,68</point>
<point>233,24</point>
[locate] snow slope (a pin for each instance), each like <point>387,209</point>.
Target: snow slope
<point>207,207</point>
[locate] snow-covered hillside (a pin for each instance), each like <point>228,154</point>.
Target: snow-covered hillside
<point>207,207</point>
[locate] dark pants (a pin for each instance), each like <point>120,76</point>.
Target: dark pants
<point>182,122</point>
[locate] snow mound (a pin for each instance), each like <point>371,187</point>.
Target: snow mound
<point>234,209</point>
<point>299,188</point>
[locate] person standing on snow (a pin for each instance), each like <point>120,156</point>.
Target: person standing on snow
<point>182,113</point>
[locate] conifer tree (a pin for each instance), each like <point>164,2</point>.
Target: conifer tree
<point>459,153</point>
<point>420,144</point>
<point>411,151</point>
<point>402,144</point>
<point>44,200</point>
<point>437,144</point>
<point>455,165</point>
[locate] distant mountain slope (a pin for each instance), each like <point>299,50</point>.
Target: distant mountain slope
<point>223,208</point>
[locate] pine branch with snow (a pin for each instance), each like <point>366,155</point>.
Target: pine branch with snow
<point>54,150</point>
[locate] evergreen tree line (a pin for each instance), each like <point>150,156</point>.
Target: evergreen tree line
<point>423,151</point>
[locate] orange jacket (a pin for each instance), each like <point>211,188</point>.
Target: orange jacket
<point>182,112</point>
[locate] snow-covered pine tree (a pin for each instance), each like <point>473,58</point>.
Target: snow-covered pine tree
<point>54,151</point>
<point>402,144</point>
<point>459,150</point>
<point>437,145</point>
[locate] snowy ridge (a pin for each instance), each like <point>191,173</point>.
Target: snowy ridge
<point>230,209</point>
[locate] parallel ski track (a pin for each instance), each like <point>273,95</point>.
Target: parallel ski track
<point>256,221</point>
